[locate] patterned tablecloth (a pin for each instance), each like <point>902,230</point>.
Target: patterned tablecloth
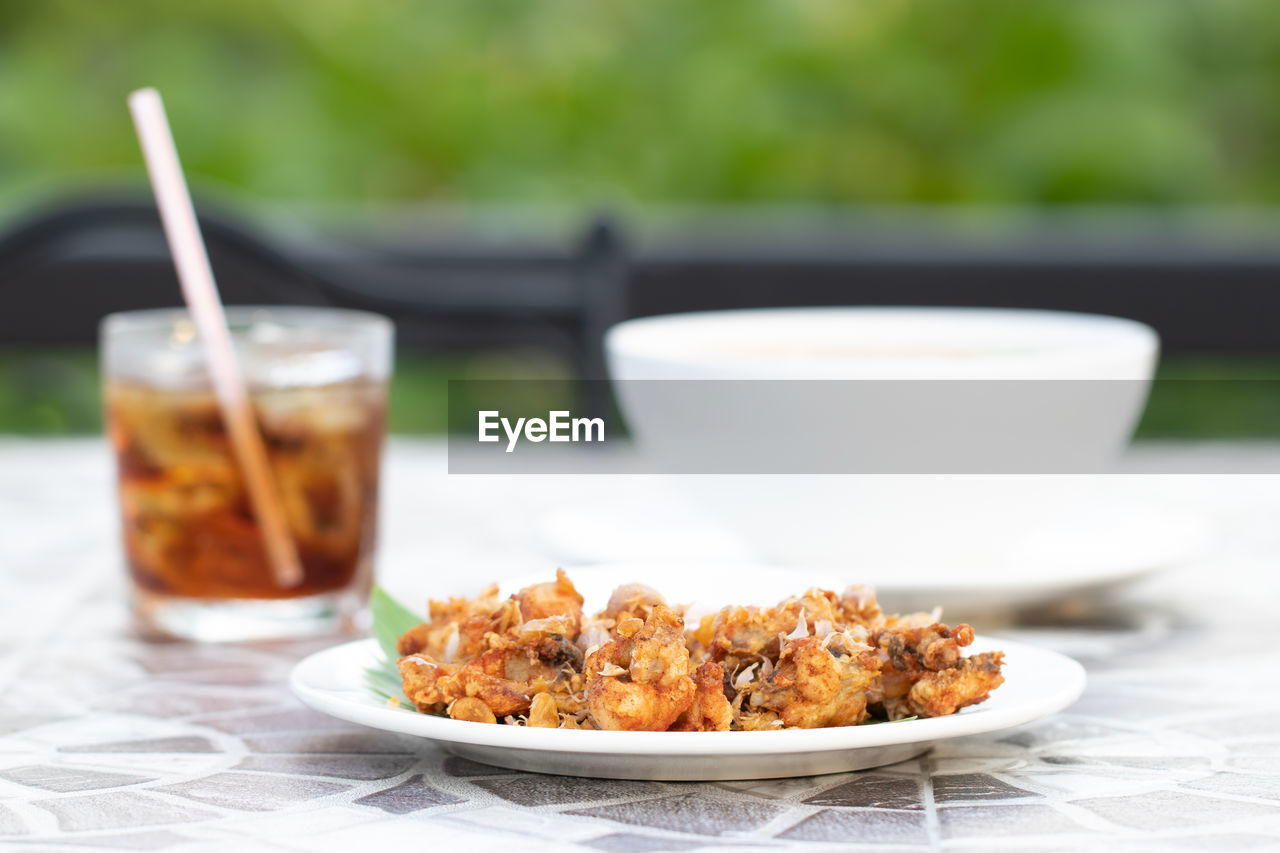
<point>107,741</point>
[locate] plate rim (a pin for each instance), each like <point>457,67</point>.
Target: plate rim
<point>979,720</point>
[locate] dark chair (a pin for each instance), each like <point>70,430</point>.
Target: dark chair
<point>63,269</point>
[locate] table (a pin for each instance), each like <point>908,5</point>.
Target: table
<point>113,743</point>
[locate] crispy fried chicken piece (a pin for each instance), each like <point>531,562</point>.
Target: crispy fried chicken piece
<point>815,684</point>
<point>821,609</point>
<point>923,673</point>
<point>530,659</point>
<point>639,680</point>
<point>967,682</point>
<point>421,676</point>
<point>557,598</point>
<point>709,711</point>
<point>742,633</point>
<point>457,626</point>
<point>629,601</point>
<point>536,657</point>
<point>858,606</point>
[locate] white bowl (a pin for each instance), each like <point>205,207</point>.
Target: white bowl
<point>917,472</point>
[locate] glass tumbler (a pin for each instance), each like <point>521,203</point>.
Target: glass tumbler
<point>198,569</point>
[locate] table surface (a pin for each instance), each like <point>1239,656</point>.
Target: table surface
<point>107,741</point>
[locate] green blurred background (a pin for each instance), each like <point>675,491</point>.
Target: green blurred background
<point>637,104</point>
<point>808,101</point>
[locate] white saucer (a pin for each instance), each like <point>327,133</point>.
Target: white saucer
<point>1037,683</point>
<point>1081,551</point>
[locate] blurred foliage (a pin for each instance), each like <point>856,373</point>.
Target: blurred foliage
<point>49,391</point>
<point>989,101</point>
<point>54,391</point>
<point>1214,397</point>
<point>46,391</point>
<point>420,387</point>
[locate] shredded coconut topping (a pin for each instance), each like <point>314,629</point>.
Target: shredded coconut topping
<point>801,629</point>
<point>744,677</point>
<point>451,645</point>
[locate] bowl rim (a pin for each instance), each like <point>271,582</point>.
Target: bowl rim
<point>1077,338</point>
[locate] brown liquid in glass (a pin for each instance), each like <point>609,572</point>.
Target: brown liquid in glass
<point>188,527</point>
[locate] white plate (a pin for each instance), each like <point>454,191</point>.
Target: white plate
<point>1037,683</point>
<point>1085,549</point>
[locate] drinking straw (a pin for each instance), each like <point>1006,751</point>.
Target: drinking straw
<point>201,293</point>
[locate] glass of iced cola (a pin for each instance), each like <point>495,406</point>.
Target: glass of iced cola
<point>198,568</point>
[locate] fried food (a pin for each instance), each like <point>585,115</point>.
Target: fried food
<point>558,598</point>
<point>471,710</point>
<point>710,710</point>
<point>815,660</point>
<point>814,686</point>
<point>946,691</point>
<point>633,599</point>
<point>639,680</point>
<point>544,713</point>
<point>509,670</point>
<point>923,673</point>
